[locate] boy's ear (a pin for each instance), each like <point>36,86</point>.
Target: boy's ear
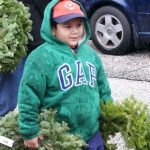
<point>53,31</point>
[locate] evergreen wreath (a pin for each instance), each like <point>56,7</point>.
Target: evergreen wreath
<point>15,28</point>
<point>126,124</point>
<point>56,136</point>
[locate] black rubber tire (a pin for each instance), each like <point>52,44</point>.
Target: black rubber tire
<point>125,44</point>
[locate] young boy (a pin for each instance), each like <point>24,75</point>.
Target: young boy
<point>65,74</point>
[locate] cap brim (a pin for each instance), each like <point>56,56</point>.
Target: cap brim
<point>68,17</point>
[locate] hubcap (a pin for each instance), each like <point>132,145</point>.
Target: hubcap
<point>109,31</point>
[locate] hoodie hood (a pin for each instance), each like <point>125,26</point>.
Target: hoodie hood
<point>46,29</point>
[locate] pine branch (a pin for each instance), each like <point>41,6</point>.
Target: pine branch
<point>56,136</point>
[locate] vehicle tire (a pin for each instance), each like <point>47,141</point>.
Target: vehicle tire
<point>111,31</point>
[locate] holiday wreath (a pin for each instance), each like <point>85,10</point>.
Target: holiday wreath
<point>124,126</point>
<point>15,28</point>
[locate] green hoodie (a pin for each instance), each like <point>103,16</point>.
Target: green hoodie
<point>72,83</point>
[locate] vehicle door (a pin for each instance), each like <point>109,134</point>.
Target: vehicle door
<point>143,15</point>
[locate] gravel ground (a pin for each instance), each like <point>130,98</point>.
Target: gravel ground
<point>128,75</point>
<point>134,66</point>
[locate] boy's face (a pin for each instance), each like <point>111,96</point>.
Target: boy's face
<point>70,32</point>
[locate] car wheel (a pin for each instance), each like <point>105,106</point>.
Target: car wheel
<point>111,31</point>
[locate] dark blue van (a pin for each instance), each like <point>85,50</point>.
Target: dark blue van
<point>118,25</point>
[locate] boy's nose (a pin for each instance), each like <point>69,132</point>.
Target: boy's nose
<point>75,30</point>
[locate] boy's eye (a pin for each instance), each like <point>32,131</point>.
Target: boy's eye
<point>67,26</point>
<point>79,24</point>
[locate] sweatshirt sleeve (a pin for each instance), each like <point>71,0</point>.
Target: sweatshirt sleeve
<point>103,84</point>
<point>30,97</point>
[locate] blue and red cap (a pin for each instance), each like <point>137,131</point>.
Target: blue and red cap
<point>66,10</point>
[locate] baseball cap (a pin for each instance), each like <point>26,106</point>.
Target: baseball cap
<point>66,10</point>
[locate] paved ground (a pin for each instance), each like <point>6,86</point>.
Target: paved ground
<point>128,75</point>
<point>123,88</point>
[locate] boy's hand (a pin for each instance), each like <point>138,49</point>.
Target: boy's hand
<point>33,143</point>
